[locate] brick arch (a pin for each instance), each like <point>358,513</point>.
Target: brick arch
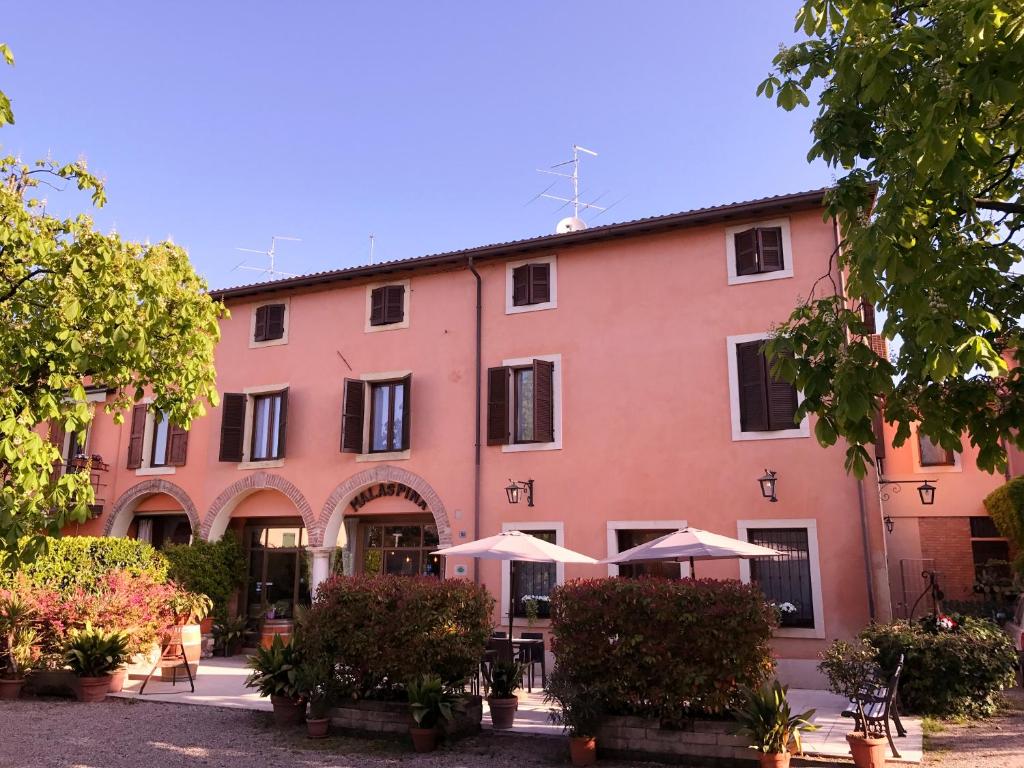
<point>219,514</point>
<point>334,508</point>
<point>123,511</point>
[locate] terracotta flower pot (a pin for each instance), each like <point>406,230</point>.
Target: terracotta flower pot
<point>774,759</point>
<point>867,752</point>
<point>583,750</point>
<point>288,711</point>
<point>317,727</point>
<point>11,688</point>
<point>206,625</point>
<point>423,739</point>
<point>117,679</point>
<point>93,689</point>
<point>503,712</point>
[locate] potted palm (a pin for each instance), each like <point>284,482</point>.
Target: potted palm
<point>228,635</point>
<point>851,669</point>
<point>506,677</point>
<point>275,673</point>
<point>578,711</point>
<point>93,655</point>
<point>317,684</point>
<point>429,703</point>
<point>189,608</point>
<point>766,719</point>
<point>18,637</point>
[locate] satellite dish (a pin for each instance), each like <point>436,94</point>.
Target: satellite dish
<point>570,224</point>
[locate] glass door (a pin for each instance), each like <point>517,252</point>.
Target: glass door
<point>278,571</point>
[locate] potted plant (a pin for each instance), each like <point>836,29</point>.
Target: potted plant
<point>228,635</point>
<point>18,637</point>
<point>767,720</point>
<point>852,669</point>
<point>93,655</point>
<point>506,677</point>
<point>429,703</point>
<point>578,711</point>
<point>275,673</point>
<point>318,686</point>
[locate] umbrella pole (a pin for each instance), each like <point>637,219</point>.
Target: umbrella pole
<point>692,574</point>
<point>511,602</point>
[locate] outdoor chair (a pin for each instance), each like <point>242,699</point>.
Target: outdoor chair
<point>499,633</point>
<point>533,655</point>
<point>172,656</point>
<point>879,703</point>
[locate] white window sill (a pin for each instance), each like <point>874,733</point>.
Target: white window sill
<point>760,277</point>
<point>800,633</point>
<point>521,447</point>
<point>515,310</point>
<point>943,469</point>
<point>390,456</point>
<point>143,471</point>
<point>269,464</point>
<point>271,343</point>
<point>777,434</point>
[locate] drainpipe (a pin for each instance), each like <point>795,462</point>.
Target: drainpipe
<point>476,445</point>
<point>861,500</point>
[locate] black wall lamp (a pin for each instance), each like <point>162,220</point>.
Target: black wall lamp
<point>926,490</point>
<point>515,486</point>
<point>768,482</point>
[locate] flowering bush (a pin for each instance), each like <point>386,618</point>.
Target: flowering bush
<point>660,648</point>
<point>382,631</point>
<point>950,667</point>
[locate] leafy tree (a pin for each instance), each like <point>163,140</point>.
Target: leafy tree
<point>921,105</point>
<point>80,308</point>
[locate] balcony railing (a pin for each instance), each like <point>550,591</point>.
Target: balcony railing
<point>97,469</point>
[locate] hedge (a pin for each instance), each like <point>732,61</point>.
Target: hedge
<point>946,673</point>
<point>382,631</point>
<point>1005,505</point>
<point>659,648</point>
<point>83,561</point>
<point>214,569</point>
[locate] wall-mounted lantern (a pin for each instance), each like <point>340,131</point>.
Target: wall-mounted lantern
<point>768,482</point>
<point>512,490</point>
<point>926,490</point>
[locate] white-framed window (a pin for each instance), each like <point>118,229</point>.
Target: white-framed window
<point>531,285</point>
<point>533,580</point>
<point>626,534</point>
<point>524,404</point>
<point>759,404</point>
<point>268,323</point>
<point>792,581</point>
<point>254,426</point>
<point>387,305</point>
<point>376,417</point>
<point>758,251</point>
<point>931,457</point>
<point>155,446</point>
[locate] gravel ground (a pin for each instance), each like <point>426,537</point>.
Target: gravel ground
<point>994,743</point>
<point>120,733</point>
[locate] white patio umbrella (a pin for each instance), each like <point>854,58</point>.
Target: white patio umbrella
<point>515,545</point>
<point>692,544</point>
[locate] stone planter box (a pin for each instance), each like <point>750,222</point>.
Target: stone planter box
<point>51,682</point>
<point>377,717</point>
<point>701,743</point>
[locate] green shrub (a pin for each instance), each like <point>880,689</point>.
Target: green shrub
<point>382,631</point>
<point>946,672</point>
<point>659,648</point>
<point>214,569</point>
<point>84,561</point>
<point>1005,505</point>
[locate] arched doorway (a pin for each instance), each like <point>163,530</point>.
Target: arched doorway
<point>156,511</point>
<point>384,520</point>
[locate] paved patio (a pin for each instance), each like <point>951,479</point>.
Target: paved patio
<point>221,683</point>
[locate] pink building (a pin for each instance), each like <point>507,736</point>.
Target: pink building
<point>372,414</point>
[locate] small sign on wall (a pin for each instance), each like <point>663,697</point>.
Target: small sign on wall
<point>460,570</point>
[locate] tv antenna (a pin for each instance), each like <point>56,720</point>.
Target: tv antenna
<point>574,222</point>
<point>271,254</point>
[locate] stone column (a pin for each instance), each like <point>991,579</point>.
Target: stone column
<point>321,567</point>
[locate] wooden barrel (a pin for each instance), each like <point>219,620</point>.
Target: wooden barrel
<point>275,627</point>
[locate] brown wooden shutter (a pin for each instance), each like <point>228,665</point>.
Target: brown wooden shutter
<point>394,304</point>
<point>407,412</point>
<point>540,283</point>
<point>352,416</point>
<point>259,332</point>
<point>543,401</point>
<point>56,436</point>
<point>136,436</point>
<point>746,252</point>
<point>275,321</point>
<point>769,247</point>
<point>782,402</point>
<point>521,285</point>
<point>751,379</point>
<point>377,306</point>
<point>497,406</point>
<point>878,427</point>
<point>868,314</point>
<point>232,427</point>
<point>177,446</point>
<point>282,431</point>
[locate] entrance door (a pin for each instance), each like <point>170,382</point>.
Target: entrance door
<point>278,570</point>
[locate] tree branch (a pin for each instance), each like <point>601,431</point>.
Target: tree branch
<point>999,205</point>
<point>28,276</point>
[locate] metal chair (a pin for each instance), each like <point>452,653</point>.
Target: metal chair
<point>532,655</point>
<point>880,706</point>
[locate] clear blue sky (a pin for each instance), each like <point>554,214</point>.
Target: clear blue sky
<point>223,123</point>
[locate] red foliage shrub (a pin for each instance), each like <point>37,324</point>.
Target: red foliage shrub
<point>382,631</point>
<point>660,648</point>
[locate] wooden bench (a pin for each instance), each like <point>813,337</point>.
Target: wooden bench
<point>878,700</point>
